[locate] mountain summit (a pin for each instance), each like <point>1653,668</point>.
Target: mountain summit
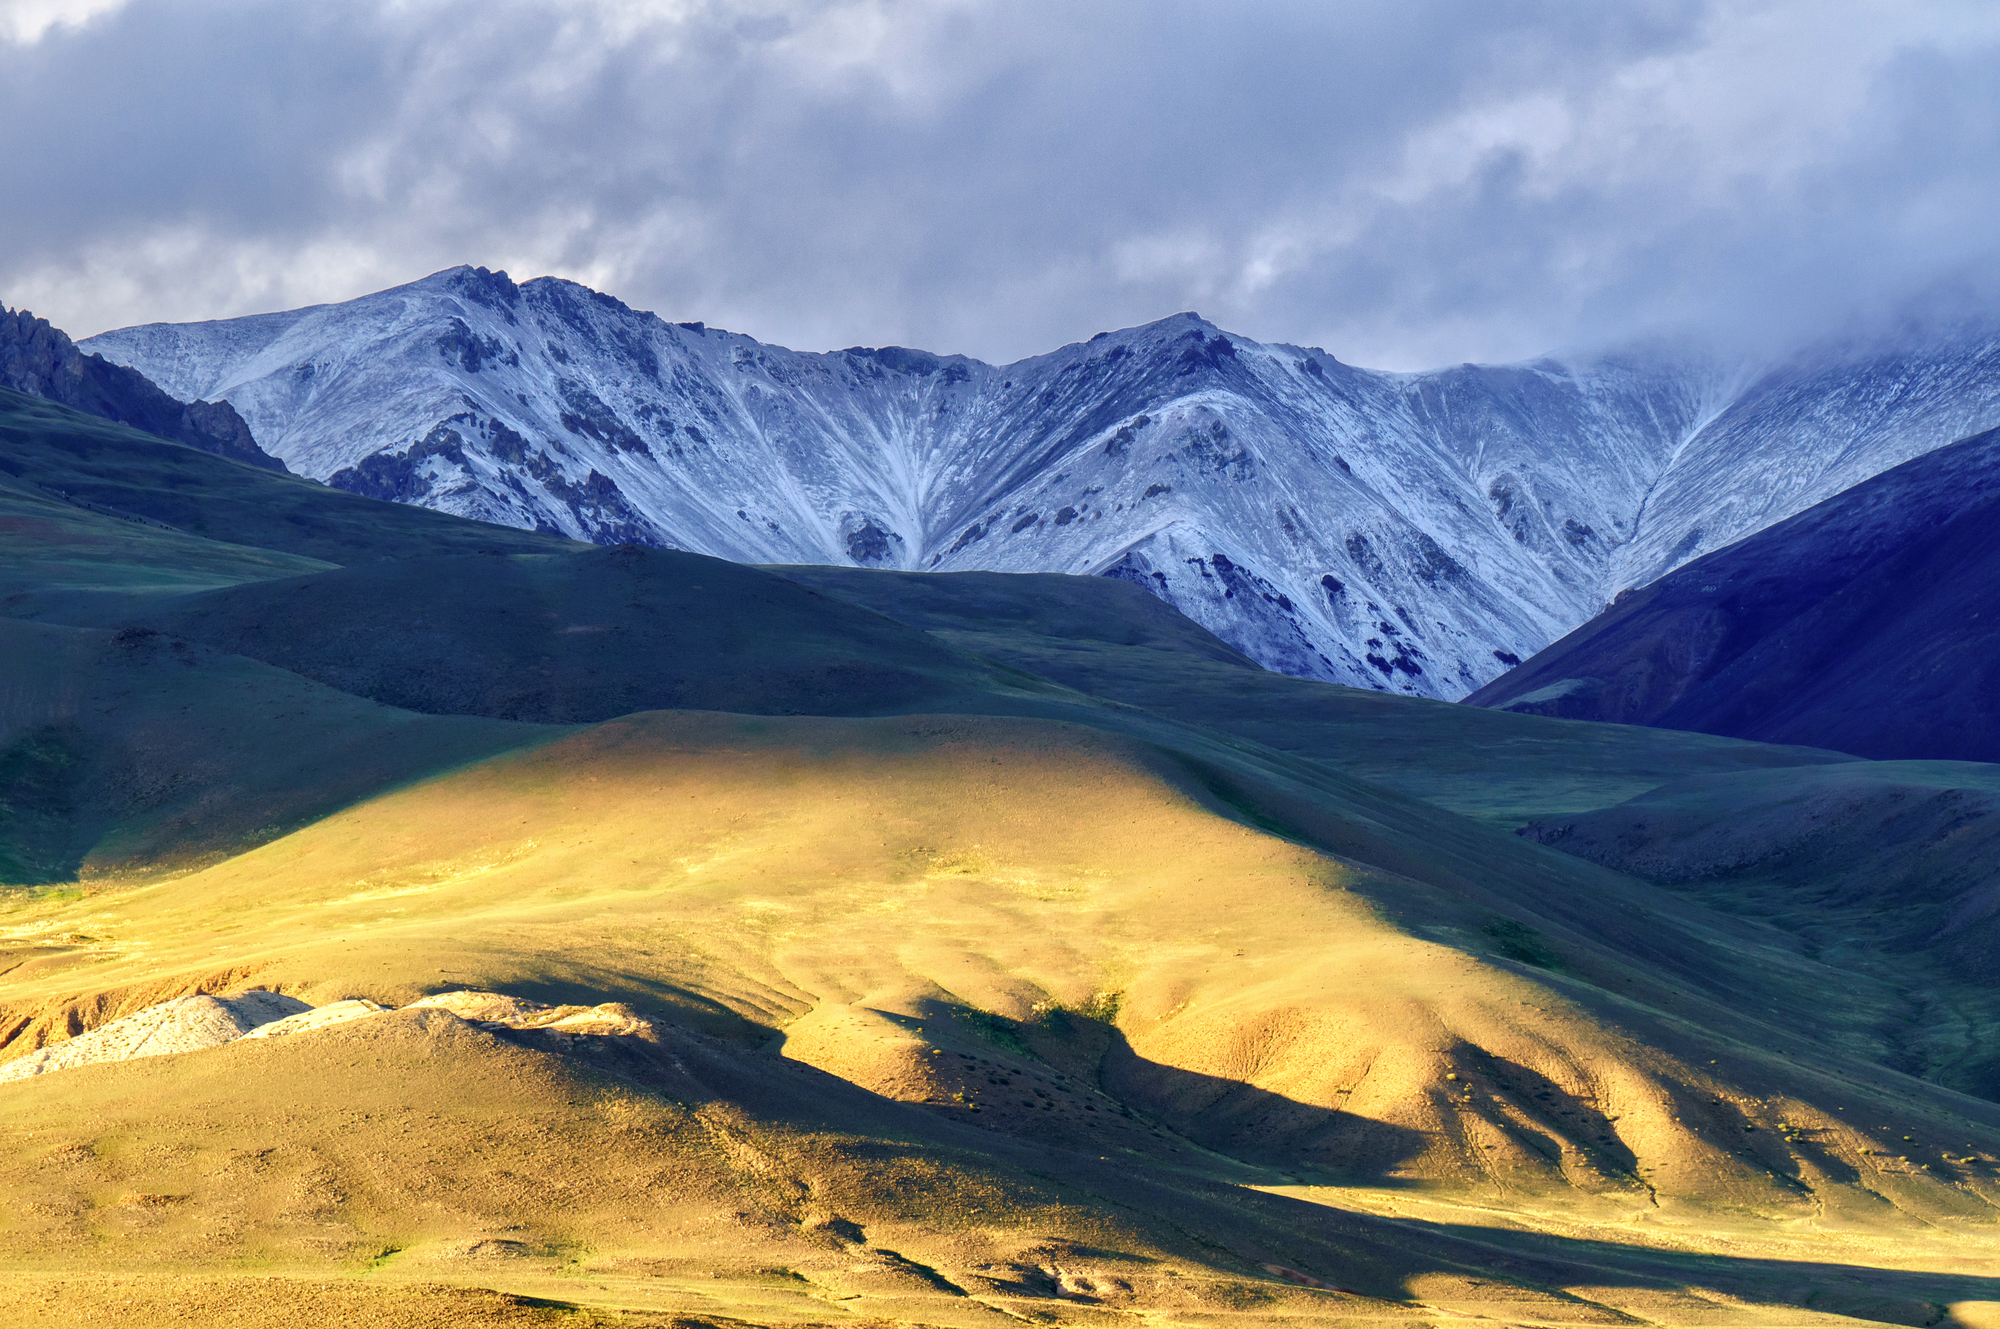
<point>1409,532</point>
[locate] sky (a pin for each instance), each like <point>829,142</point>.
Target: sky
<point>1406,183</point>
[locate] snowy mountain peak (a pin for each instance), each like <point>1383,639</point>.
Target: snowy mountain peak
<point>1415,532</point>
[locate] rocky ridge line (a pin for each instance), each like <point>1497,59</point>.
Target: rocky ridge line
<point>40,360</point>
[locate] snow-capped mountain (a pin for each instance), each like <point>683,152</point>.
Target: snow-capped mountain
<point>1410,531</point>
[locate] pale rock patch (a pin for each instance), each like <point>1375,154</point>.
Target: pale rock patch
<point>185,1024</point>
<point>478,1006</point>
<point>317,1018</point>
<point>189,1024</point>
<point>496,1010</point>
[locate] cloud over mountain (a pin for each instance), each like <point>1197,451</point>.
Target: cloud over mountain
<point>1402,183</point>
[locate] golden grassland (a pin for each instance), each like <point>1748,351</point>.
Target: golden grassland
<point>972,1006</point>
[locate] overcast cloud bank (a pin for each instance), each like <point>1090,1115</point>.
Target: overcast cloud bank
<point>1404,183</point>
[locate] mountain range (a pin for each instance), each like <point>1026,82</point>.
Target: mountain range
<point>1414,532</point>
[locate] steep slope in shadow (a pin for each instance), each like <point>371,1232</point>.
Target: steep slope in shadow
<point>40,361</point>
<point>1863,624</point>
<point>579,637</point>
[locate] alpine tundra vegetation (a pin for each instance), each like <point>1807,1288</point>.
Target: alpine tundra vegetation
<point>1042,808</point>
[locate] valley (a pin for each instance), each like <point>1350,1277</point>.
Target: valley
<point>964,948</point>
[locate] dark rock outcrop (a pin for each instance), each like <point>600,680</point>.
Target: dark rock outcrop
<point>42,361</point>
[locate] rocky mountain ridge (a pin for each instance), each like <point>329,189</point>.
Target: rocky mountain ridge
<point>1860,625</point>
<point>1414,532</point>
<point>41,361</point>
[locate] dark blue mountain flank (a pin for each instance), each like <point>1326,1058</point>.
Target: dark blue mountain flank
<point>1869,623</point>
<point>41,361</point>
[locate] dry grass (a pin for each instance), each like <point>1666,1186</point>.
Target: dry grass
<point>972,1007</point>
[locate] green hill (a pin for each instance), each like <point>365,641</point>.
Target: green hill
<point>131,514</point>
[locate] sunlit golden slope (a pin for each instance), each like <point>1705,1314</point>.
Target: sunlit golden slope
<point>971,989</point>
<point>131,752</point>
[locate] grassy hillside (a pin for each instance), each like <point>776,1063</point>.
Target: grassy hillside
<point>1110,639</point>
<point>579,637</point>
<point>1017,952</point>
<point>1884,869</point>
<point>128,752</point>
<point>1059,1008</point>
<point>109,468</point>
<point>58,555</point>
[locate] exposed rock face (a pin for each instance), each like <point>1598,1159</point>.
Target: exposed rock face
<point>191,1024</point>
<point>317,1018</point>
<point>1326,521</point>
<point>38,359</point>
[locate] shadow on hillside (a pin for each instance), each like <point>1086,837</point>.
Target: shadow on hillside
<point>38,792</point>
<point>1268,1130</point>
<point>584,984</point>
<point>1890,1296</point>
<point>1548,1129</point>
<point>1607,1267</point>
<point>878,1162</point>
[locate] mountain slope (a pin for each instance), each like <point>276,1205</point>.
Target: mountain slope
<point>1806,429</point>
<point>97,511</point>
<point>956,1009</point>
<point>576,637</point>
<point>1886,868</point>
<point>1863,624</point>
<point>123,751</point>
<point>1109,640</point>
<point>1182,991</point>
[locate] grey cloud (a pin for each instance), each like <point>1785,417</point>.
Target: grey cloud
<point>1403,183</point>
